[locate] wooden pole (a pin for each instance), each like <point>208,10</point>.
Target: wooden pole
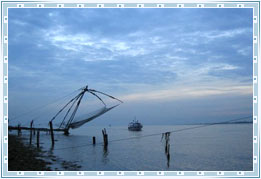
<point>18,127</point>
<point>103,133</point>
<point>167,142</point>
<point>51,130</point>
<point>31,131</point>
<point>38,138</point>
<point>167,147</point>
<point>93,140</point>
<point>105,138</point>
<point>19,130</point>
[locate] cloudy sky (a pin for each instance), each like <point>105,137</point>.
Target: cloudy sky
<point>169,66</point>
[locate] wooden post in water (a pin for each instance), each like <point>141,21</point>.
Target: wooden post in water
<point>31,131</point>
<point>167,142</point>
<point>18,130</point>
<point>38,138</point>
<point>93,140</point>
<point>105,137</point>
<point>167,147</point>
<point>51,130</point>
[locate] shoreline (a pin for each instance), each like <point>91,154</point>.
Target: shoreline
<point>25,158</point>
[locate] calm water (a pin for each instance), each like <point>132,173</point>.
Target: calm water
<point>214,148</point>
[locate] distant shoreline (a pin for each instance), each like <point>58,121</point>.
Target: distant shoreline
<point>244,122</point>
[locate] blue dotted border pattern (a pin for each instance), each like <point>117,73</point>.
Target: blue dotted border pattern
<point>256,46</point>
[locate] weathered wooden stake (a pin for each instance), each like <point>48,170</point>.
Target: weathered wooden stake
<point>31,131</point>
<point>105,137</point>
<point>103,133</point>
<point>19,130</point>
<point>167,142</point>
<point>106,140</point>
<point>51,130</point>
<point>167,147</point>
<point>93,140</point>
<point>38,138</point>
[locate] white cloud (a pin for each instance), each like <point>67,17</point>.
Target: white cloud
<point>80,41</point>
<point>200,37</point>
<point>227,67</point>
<point>226,33</point>
<point>18,22</point>
<point>245,51</point>
<point>121,46</point>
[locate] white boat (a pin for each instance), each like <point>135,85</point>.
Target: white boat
<point>135,126</point>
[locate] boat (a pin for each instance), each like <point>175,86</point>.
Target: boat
<point>135,125</point>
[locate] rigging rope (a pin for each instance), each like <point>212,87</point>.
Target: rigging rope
<point>43,106</point>
<point>75,98</point>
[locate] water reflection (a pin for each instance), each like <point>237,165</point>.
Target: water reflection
<point>105,154</point>
<point>135,133</point>
<point>51,148</point>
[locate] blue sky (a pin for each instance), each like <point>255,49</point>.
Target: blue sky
<point>169,66</point>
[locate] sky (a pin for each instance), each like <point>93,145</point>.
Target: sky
<point>168,66</point>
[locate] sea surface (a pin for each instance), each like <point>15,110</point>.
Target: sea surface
<point>224,147</point>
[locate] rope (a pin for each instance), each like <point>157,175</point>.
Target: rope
<point>43,106</point>
<point>156,134</point>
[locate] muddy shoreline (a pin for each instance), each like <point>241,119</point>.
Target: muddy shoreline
<point>25,157</point>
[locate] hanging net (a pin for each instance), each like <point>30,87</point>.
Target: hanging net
<point>79,123</point>
<point>72,106</point>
